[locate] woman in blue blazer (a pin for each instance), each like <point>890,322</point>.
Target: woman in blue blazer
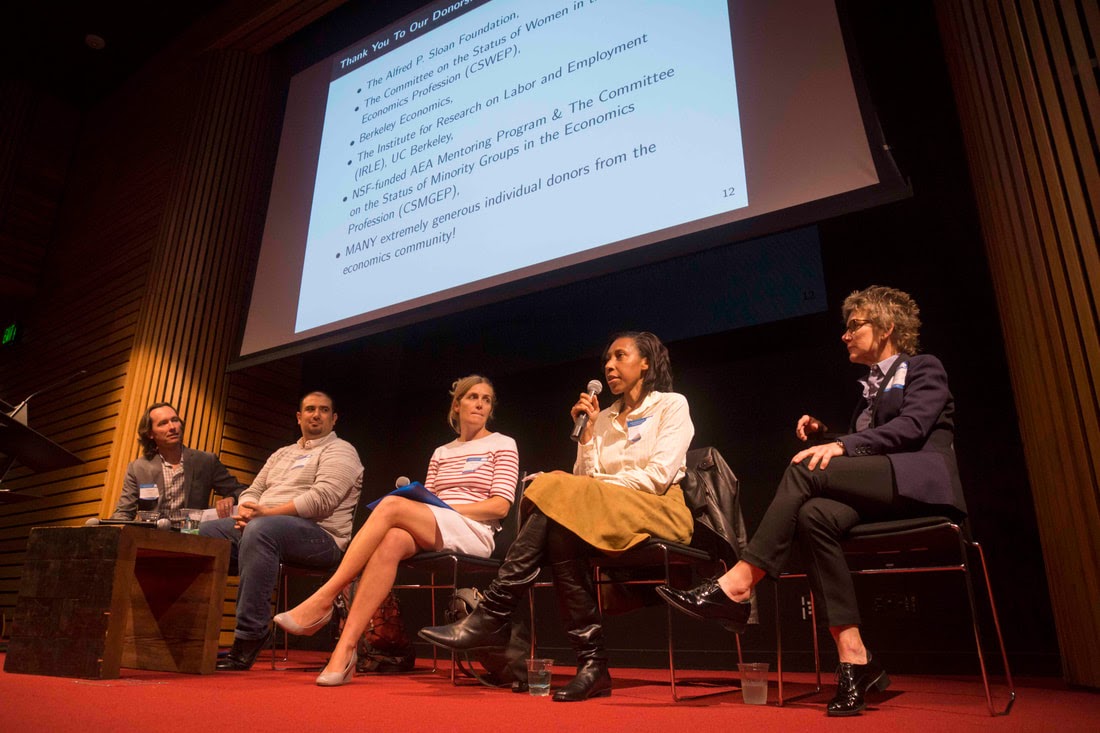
<point>896,461</point>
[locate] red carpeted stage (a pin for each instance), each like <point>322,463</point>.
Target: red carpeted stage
<point>266,700</point>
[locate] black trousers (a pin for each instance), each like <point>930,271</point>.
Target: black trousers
<point>817,508</point>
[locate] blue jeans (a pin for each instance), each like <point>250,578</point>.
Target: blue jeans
<point>259,548</point>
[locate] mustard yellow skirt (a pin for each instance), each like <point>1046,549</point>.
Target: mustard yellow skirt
<point>611,518</point>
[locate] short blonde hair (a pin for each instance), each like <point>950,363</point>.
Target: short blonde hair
<point>459,388</point>
<point>887,307</point>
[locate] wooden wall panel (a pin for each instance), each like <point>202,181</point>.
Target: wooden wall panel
<point>141,273</point>
<point>1025,77</point>
<point>146,268</point>
<point>85,317</point>
<point>187,331</point>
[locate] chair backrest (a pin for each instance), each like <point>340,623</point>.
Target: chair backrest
<point>360,514</point>
<point>509,525</point>
<point>712,493</point>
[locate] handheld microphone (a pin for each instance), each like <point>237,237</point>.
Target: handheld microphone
<point>594,388</point>
<point>93,522</point>
<point>401,481</point>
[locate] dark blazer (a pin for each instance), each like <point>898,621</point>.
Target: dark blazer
<point>913,424</point>
<point>202,472</point>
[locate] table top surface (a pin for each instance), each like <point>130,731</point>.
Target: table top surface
<point>147,538</point>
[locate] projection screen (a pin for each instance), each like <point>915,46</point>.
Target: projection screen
<point>476,150</point>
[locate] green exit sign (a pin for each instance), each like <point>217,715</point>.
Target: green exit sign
<point>10,332</point>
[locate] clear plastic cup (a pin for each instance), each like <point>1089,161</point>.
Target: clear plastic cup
<point>191,520</point>
<point>539,672</point>
<point>754,682</point>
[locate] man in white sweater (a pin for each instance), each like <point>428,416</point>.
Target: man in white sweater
<point>299,510</point>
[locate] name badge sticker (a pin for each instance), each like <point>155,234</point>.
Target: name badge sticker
<point>897,381</point>
<point>300,461</point>
<point>473,463</point>
<point>148,491</point>
<point>635,429</point>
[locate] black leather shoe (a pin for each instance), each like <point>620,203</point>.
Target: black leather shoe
<point>479,630</point>
<point>243,654</point>
<point>709,601</point>
<point>853,681</point>
<point>592,680</point>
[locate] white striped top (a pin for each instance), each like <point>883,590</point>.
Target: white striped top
<point>474,470</point>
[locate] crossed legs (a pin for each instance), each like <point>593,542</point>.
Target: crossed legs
<point>816,509</point>
<point>259,548</point>
<point>397,529</point>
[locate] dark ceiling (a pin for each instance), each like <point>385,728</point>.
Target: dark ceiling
<point>46,41</point>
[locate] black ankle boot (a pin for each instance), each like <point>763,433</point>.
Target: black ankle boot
<point>584,627</point>
<point>592,680</point>
<point>482,629</point>
<point>490,624</point>
<point>853,681</point>
<point>242,655</point>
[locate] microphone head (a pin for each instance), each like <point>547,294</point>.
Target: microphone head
<point>93,522</point>
<point>163,523</point>
<point>401,481</point>
<point>595,386</point>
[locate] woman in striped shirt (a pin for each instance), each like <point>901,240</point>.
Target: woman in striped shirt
<point>476,476</point>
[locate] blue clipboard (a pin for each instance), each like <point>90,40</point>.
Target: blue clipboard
<point>416,492</point>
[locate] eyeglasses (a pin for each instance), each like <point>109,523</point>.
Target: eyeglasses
<point>855,324</point>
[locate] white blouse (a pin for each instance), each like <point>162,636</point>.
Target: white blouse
<point>649,453</point>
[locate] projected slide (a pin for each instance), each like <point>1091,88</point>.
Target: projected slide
<point>474,151</point>
<point>481,139</point>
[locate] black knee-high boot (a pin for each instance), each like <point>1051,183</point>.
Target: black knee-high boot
<point>489,626</point>
<point>584,626</point>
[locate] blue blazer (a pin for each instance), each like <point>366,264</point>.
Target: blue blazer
<point>202,472</point>
<point>913,424</point>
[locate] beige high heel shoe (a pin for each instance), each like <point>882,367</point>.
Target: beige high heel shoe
<point>335,679</point>
<point>290,626</point>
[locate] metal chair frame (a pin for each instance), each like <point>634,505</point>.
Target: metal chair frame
<point>456,564</point>
<point>652,553</point>
<point>289,570</point>
<point>663,554</point>
<point>282,603</point>
<point>450,565</point>
<point>882,541</point>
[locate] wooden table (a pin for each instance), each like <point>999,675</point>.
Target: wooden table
<point>94,599</point>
